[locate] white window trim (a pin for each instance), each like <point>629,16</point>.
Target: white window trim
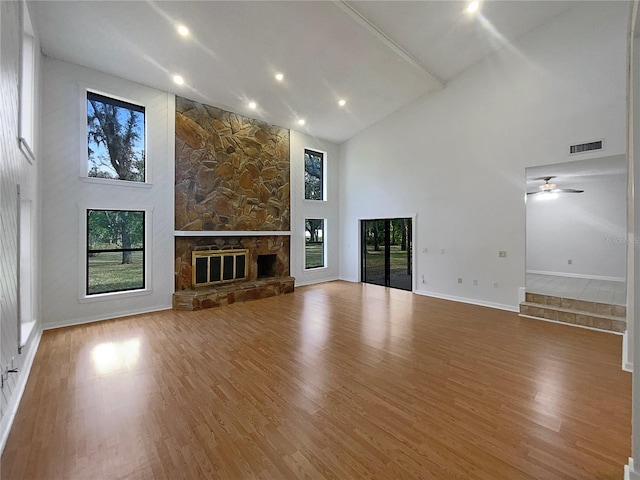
<point>27,90</point>
<point>84,157</point>
<point>325,162</point>
<point>82,273</point>
<point>324,245</point>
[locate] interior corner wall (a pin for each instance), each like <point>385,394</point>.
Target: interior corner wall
<point>457,157</point>
<point>66,195</point>
<point>302,209</point>
<point>15,169</point>
<point>587,228</point>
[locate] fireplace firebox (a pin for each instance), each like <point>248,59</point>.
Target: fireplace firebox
<point>266,266</point>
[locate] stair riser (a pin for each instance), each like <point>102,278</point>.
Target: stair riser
<point>619,311</point>
<point>574,318</point>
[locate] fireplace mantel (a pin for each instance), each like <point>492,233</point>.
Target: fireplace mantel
<point>229,233</point>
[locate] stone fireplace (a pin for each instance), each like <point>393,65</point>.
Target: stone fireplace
<point>232,196</point>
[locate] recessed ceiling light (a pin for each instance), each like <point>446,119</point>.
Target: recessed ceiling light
<point>279,76</point>
<point>342,102</point>
<point>253,105</point>
<point>473,6</point>
<point>301,121</point>
<point>178,79</point>
<point>182,30</point>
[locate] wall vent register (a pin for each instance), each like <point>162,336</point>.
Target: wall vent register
<point>586,147</point>
<point>212,267</point>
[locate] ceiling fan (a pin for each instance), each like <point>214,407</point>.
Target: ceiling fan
<point>550,187</point>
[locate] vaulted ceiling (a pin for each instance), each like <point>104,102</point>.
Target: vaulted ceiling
<point>376,55</point>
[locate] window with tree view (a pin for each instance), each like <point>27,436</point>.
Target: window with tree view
<point>116,141</point>
<point>314,243</point>
<point>313,175</point>
<point>115,251</point>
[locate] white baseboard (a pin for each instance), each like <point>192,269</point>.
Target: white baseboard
<point>578,275</point>
<point>472,301</point>
<point>99,318</point>
<point>630,473</point>
<point>313,282</point>
<point>569,324</point>
<point>24,370</point>
<point>453,298</point>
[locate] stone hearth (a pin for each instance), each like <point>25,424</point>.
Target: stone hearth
<point>201,298</point>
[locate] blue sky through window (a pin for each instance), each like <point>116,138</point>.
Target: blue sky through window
<point>117,127</point>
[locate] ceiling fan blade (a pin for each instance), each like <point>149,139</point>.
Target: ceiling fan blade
<point>556,190</point>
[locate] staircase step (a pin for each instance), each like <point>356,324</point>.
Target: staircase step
<point>611,323</point>
<point>618,311</point>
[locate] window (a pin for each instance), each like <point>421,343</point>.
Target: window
<point>313,175</point>
<point>115,139</point>
<point>115,251</point>
<point>314,243</point>
<point>25,265</point>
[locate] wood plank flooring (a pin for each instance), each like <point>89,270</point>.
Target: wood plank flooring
<point>334,381</point>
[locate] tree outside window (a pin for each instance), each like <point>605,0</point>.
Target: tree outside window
<point>313,175</point>
<point>115,251</point>
<point>115,139</point>
<point>314,243</point>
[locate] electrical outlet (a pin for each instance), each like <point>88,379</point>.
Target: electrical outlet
<point>502,254</point>
<point>425,250</point>
<point>459,279</point>
<point>422,278</point>
<point>475,283</point>
<point>569,262</point>
<point>495,285</point>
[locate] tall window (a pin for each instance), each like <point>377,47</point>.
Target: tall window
<point>314,243</point>
<point>313,175</point>
<point>27,87</point>
<point>115,139</point>
<point>115,251</point>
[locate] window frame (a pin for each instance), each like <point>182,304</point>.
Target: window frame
<point>324,245</point>
<point>324,175</point>
<point>84,139</point>
<point>27,87</point>
<point>83,275</point>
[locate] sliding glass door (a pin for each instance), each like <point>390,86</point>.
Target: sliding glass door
<point>386,252</point>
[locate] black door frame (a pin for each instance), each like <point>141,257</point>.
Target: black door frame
<point>387,242</point>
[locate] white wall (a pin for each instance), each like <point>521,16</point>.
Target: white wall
<point>457,157</point>
<point>15,169</point>
<point>66,196</point>
<point>301,209</point>
<point>588,228</point>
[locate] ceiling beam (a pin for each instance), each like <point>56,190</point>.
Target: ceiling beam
<point>434,82</point>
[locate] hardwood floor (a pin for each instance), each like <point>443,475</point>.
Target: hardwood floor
<point>335,381</point>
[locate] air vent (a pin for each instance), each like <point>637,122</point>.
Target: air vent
<point>585,147</point>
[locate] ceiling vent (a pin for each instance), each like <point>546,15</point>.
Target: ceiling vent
<point>586,147</point>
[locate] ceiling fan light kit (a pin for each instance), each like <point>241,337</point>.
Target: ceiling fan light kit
<point>549,187</point>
